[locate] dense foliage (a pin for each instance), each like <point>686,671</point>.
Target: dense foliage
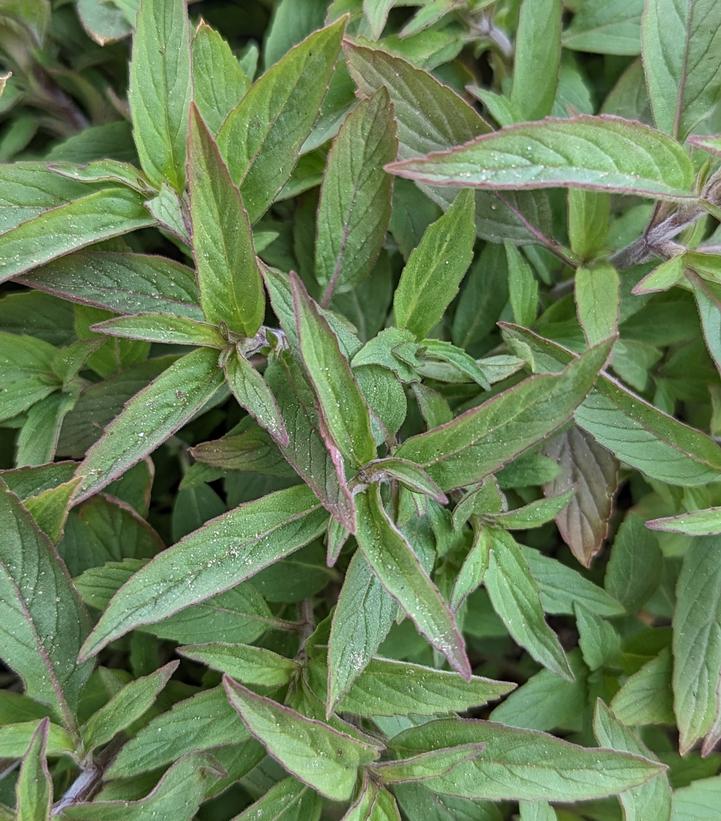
<point>359,410</point>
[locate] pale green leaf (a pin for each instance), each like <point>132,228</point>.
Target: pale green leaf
<point>261,154</point>
<point>218,556</point>
<point>231,290</point>
<point>160,89</point>
<point>694,523</point>
<point>603,153</point>
<point>399,570</point>
<point>326,759</point>
<point>646,696</point>
<point>286,800</point>
<point>163,329</point>
<point>243,662</point>
<point>34,788</point>
<point>597,292</point>
<point>355,198</point>
<point>89,219</point>
<point>435,268</point>
<point>522,287</point>
<point>538,58</point>
<point>149,418</point>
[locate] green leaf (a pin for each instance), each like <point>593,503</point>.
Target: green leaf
<point>515,597</point>
<point>600,643</point>
<point>405,472</point>
<point>680,41</point>
<point>597,292</point>
<point>697,801</point>
<point>588,219</point>
<point>400,572</point>
<point>591,472</point>
<point>160,89</point>
<point>646,696</point>
<point>538,59</point>
<point>163,329</point>
<point>362,618</point>
<point>218,556</point>
<point>435,268</point>
<point>424,766</point>
<point>177,795</point>
<point>326,759</point>
<point>252,393</point>
<point>231,290</point>
<point>634,569</point>
<point>27,373</point>
<point>534,514</point>
<point>522,287</point>
<point>34,788</point>
<point>524,765</point>
<point>16,737</point>
<point>374,803</point>
<point>697,642</point>
<point>92,218</point>
<point>261,154</point>
<point>38,438</point>
<point>343,411</point>
<point>613,27</point>
<point>387,687</point>
<point>50,508</point>
<point>121,282</point>
<point>203,722</point>
<point>125,707</point>
<point>376,14</point>
<point>213,58</point>
<point>355,198</point>
<point>635,431</point>
<point>652,799</point>
<point>628,158</point>
<point>173,398</point>
<point>45,622</point>
<point>245,663</point>
<point>694,523</point>
<point>483,439</point>
<point>309,452</point>
<point>286,800</point>
<point>536,811</point>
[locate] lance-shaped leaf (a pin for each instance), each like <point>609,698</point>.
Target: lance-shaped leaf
<point>591,473</point>
<point>389,688</point>
<point>612,27</point>
<point>84,221</point>
<point>45,622</point>
<point>310,454</point>
<point>483,439</point>
<point>344,412</point>
<point>374,803</point>
<point>231,290</point>
<point>177,795</point>
<point>515,597</point>
<point>697,642</point>
<point>261,152</point>
<point>126,706</point>
<point>424,766</point>
<point>694,523</point>
<point>635,431</point>
<point>604,153</point>
<point>204,721</point>
<point>355,198</point>
<point>163,329</point>
<point>405,472</point>
<point>212,559</point>
<point>646,696</point>
<point>680,44</point>
<point>240,614</point>
<point>34,787</point>
<point>597,301</point>
<point>253,394</point>
<point>524,764</point>
<point>285,800</point>
<point>243,662</point>
<point>362,618</point>
<point>399,570</point>
<point>121,282</point>
<point>435,268</point>
<point>650,800</point>
<point>326,759</point>
<point>149,418</point>
<point>537,58</point>
<point>159,90</point>
<point>212,59</point>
